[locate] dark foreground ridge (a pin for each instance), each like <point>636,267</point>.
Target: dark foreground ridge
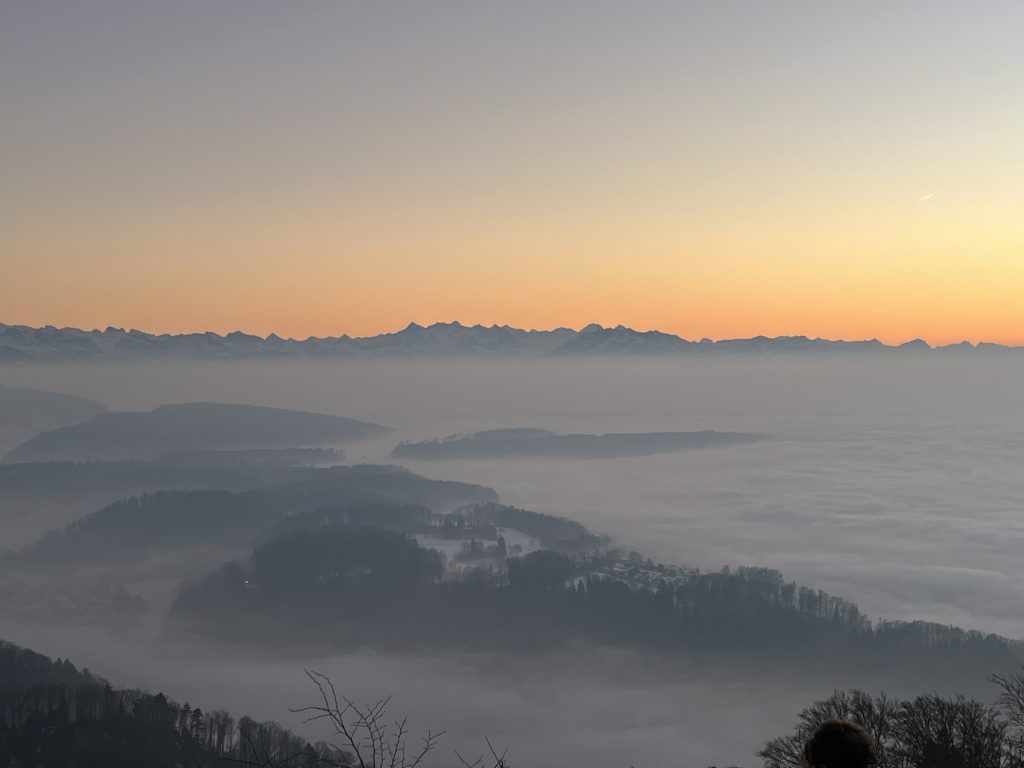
<point>19,343</point>
<point>54,716</point>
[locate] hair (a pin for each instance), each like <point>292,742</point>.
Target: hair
<point>839,744</point>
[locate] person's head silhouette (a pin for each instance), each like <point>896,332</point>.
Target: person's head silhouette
<point>839,744</point>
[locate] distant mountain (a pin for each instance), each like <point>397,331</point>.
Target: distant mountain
<point>20,344</point>
<point>799,344</point>
<point>189,427</point>
<point>457,339</point>
<point>27,412</point>
<point>34,409</point>
<point>523,442</point>
<point>595,340</point>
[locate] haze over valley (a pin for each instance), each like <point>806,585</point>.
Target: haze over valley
<point>892,483</point>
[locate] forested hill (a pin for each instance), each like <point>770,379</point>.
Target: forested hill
<point>53,716</point>
<point>473,522</point>
<point>525,442</point>
<point>22,667</point>
<point>352,586</point>
<point>56,492</point>
<point>69,489</point>
<point>173,429</point>
<point>35,409</point>
<point>172,520</point>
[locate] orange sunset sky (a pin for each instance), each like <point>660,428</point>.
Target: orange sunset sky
<point>715,170</point>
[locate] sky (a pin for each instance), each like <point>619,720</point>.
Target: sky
<point>717,169</point>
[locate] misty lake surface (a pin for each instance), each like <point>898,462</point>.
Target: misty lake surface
<point>895,481</point>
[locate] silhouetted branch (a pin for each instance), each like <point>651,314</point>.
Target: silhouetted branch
<point>363,729</point>
<point>500,761</point>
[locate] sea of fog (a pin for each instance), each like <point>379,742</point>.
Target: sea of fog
<point>897,482</point>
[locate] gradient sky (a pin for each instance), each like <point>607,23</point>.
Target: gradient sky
<point>714,169</point>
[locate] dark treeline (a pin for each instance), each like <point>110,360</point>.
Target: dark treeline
<point>557,533</point>
<point>928,731</point>
<point>60,726</point>
<point>21,667</point>
<point>482,520</point>
<point>161,521</point>
<point>369,483</point>
<point>504,443</point>
<point>24,486</point>
<point>51,494</point>
<point>74,485</point>
<point>52,715</point>
<point>407,518</point>
<point>358,586</point>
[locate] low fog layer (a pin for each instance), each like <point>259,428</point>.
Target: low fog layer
<point>894,483</point>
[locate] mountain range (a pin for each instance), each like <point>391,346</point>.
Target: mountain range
<point>19,343</point>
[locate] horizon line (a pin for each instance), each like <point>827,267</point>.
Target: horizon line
<point>459,324</point>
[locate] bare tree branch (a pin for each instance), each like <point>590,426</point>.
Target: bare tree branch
<point>364,729</point>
